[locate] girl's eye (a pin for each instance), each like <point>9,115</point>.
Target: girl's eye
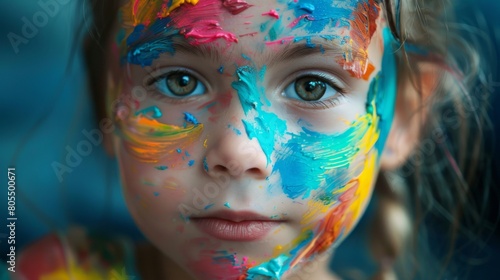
<point>179,84</point>
<point>310,88</point>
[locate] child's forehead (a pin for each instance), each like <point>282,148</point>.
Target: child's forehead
<point>249,27</point>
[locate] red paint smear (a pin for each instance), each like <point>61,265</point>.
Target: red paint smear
<point>281,41</point>
<point>363,26</point>
<point>218,105</point>
<point>200,22</point>
<point>221,268</point>
<point>249,34</point>
<point>272,13</point>
<point>236,6</point>
<point>296,21</point>
<point>331,226</point>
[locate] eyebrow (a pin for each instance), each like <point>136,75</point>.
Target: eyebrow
<point>287,51</point>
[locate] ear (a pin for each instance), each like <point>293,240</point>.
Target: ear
<point>414,92</point>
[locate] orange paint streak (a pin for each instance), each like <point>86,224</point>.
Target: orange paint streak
<point>149,140</point>
<point>363,26</point>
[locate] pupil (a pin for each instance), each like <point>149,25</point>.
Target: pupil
<point>184,81</point>
<point>311,86</point>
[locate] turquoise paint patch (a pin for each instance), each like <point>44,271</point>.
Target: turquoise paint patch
<point>324,13</point>
<point>161,167</point>
<point>273,268</point>
<point>209,206</point>
<point>188,117</point>
<point>191,162</point>
<point>383,89</point>
<point>205,164</point>
<point>152,112</point>
<point>259,122</point>
<point>312,160</point>
<point>227,205</point>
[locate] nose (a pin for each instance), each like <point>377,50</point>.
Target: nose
<point>237,155</point>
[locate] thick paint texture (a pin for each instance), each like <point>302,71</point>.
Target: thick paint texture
<point>149,140</point>
<point>311,160</point>
<point>149,34</point>
<point>260,124</point>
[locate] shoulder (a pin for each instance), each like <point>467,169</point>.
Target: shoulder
<point>77,255</point>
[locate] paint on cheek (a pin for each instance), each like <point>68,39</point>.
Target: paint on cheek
<point>311,160</point>
<point>153,112</point>
<point>235,6</point>
<point>258,123</point>
<point>149,140</point>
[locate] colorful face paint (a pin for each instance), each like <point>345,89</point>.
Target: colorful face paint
<point>249,145</point>
<point>149,140</point>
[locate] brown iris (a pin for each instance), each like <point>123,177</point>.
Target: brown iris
<point>181,84</point>
<point>310,88</point>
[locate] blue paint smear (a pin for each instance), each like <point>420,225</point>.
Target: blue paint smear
<point>221,69</point>
<point>179,150</point>
<point>155,112</point>
<point>252,94</point>
<point>191,162</point>
<point>237,131</point>
<point>327,15</point>
<point>384,88</point>
<point>209,206</point>
<point>190,118</point>
<point>227,205</point>
<point>312,160</point>
<point>146,45</point>
<point>187,154</point>
<point>273,268</point>
<point>246,57</point>
<point>308,7</point>
<point>156,193</point>
<point>161,167</point>
<point>205,164</point>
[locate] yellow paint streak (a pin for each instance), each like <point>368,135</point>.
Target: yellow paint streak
<point>149,140</point>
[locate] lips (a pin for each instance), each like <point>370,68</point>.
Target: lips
<point>235,226</point>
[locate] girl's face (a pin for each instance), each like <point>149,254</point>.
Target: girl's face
<point>249,131</point>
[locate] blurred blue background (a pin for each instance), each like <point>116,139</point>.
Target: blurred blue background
<point>45,107</point>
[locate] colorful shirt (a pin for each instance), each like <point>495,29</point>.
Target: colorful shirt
<point>77,255</point>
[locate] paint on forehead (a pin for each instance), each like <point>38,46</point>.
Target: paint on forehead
<point>147,39</point>
<point>144,12</point>
<point>363,26</point>
<point>320,14</point>
<point>149,140</point>
<point>258,123</point>
<point>235,6</point>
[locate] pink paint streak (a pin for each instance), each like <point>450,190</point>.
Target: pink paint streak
<point>236,6</point>
<point>200,23</point>
<point>281,41</point>
<point>272,13</point>
<point>296,21</point>
<point>248,34</point>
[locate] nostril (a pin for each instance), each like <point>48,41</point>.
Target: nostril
<point>254,171</point>
<point>220,169</point>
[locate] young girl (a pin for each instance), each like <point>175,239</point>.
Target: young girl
<point>250,134</point>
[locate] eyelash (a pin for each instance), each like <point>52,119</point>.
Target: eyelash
<point>319,104</point>
<point>155,78</point>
